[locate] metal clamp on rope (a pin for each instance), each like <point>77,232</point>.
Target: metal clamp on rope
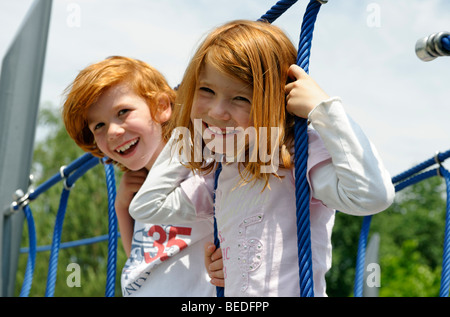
<point>438,162</point>
<point>323,1</point>
<point>430,47</point>
<point>61,172</point>
<point>20,200</point>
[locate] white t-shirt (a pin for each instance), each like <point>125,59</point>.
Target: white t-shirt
<point>167,259</point>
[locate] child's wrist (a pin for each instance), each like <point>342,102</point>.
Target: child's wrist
<point>323,103</point>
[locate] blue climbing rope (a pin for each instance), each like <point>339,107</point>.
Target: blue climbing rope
<point>112,231</point>
<point>301,159</point>
<point>220,291</point>
<point>361,257</point>
<point>31,195</point>
<point>29,271</point>
<point>439,157</point>
<point>410,177</point>
<point>301,147</point>
<point>53,262</point>
<point>70,174</point>
<point>301,150</point>
<point>445,275</point>
<point>277,10</point>
<point>70,244</point>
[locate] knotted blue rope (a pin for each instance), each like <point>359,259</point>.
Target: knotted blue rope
<point>112,231</point>
<point>301,149</point>
<point>54,253</point>
<point>445,275</point>
<point>361,257</point>
<point>301,159</point>
<point>78,167</point>
<point>53,262</point>
<point>439,157</point>
<point>401,181</point>
<point>29,271</point>
<point>220,291</point>
<point>277,10</point>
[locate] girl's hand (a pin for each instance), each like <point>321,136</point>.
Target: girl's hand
<point>214,264</point>
<point>303,94</point>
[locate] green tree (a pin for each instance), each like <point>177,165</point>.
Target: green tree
<point>86,217</point>
<point>411,230</point>
<point>411,243</point>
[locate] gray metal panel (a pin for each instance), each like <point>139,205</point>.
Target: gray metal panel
<point>372,257</point>
<point>20,88</point>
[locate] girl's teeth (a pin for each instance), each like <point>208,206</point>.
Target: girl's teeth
<point>217,130</point>
<point>126,146</point>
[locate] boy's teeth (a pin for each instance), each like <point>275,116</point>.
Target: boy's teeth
<point>127,146</point>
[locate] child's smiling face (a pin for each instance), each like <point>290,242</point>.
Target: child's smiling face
<point>222,103</point>
<point>123,128</point>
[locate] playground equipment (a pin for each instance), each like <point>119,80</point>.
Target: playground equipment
<point>11,221</point>
<point>20,88</point>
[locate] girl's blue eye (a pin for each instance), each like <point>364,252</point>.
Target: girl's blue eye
<point>206,89</point>
<point>239,98</point>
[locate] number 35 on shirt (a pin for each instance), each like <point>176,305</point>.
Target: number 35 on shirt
<point>168,241</point>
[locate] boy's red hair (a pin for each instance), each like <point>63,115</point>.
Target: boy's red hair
<point>95,79</point>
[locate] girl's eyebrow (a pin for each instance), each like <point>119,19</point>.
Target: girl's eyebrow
<point>205,82</point>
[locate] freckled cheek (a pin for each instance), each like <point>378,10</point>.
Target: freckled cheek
<point>199,107</point>
<point>102,145</point>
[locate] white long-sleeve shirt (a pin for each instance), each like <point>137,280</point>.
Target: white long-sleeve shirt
<point>167,258</point>
<point>257,229</point>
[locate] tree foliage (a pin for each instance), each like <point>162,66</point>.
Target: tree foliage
<point>411,244</point>
<point>86,217</point>
<point>411,230</point>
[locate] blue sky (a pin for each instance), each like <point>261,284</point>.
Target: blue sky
<point>363,51</point>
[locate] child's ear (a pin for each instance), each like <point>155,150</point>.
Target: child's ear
<point>164,109</point>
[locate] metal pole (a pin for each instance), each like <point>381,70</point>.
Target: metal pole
<point>372,266</point>
<point>20,89</point>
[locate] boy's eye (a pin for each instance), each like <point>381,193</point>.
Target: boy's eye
<point>122,111</point>
<point>98,126</point>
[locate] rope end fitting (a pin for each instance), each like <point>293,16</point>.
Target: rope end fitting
<point>323,1</point>
<point>430,47</point>
<point>21,199</point>
<point>65,177</point>
<point>438,162</point>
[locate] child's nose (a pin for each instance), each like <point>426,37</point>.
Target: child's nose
<point>219,110</point>
<point>115,130</point>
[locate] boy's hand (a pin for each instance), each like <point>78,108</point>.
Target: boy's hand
<point>214,264</point>
<point>129,185</point>
<point>303,94</point>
